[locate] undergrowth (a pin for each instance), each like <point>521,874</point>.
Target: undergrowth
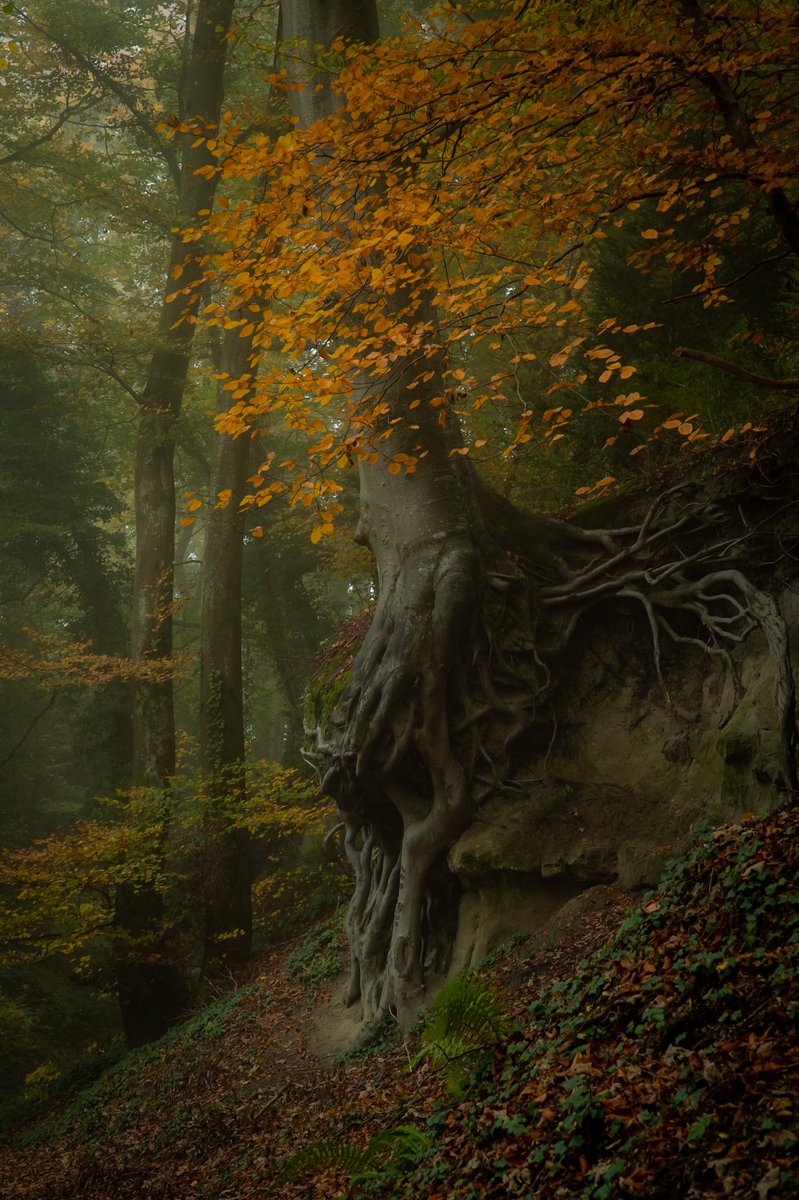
<point>664,1067</point>
<point>466,1020</point>
<point>667,1067</point>
<point>89,1117</point>
<point>318,957</point>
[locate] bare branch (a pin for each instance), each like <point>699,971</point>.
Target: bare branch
<point>29,730</point>
<point>723,364</point>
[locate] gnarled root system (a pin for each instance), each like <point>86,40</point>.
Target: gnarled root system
<point>459,663</point>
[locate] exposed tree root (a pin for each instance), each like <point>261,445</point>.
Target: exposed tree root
<point>669,578</point>
<point>458,665</point>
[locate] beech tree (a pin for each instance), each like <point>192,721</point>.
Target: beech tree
<point>150,80</point>
<point>443,191</point>
<point>151,992</point>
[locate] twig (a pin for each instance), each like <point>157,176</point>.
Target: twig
<point>32,725</point>
<point>728,283</point>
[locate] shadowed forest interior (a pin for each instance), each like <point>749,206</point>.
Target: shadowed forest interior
<point>399,577</point>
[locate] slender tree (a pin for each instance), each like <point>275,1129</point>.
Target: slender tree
<point>150,992</point>
<point>226,878</point>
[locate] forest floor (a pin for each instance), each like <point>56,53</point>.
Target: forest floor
<point>653,1053</point>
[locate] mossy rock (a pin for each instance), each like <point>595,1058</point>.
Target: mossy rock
<point>335,672</point>
<point>325,691</point>
<point>608,510</point>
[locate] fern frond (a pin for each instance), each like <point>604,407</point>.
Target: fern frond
<point>326,1156</point>
<point>405,1143</point>
<point>466,1015</point>
<point>466,1018</point>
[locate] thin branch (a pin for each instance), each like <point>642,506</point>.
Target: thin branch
<point>722,364</point>
<point>21,599</point>
<point>728,283</point>
<point>105,369</point>
<point>26,233</point>
<point>739,128</point>
<point>31,726</point>
<point>123,93</point>
<point>20,151</point>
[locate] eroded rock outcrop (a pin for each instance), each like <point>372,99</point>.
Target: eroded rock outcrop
<point>635,767</point>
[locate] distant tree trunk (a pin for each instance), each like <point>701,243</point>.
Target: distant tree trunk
<point>106,728</point>
<point>293,630</point>
<point>227,935</point>
<point>151,994</point>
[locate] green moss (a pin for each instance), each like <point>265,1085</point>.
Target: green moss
<point>326,690</point>
<point>603,512</point>
<point>319,956</point>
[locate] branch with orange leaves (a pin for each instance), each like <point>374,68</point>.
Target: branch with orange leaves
<point>55,663</point>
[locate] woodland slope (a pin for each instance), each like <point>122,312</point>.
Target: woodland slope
<point>658,1059</point>
<point>651,1051</point>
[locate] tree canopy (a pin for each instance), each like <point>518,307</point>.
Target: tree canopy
<point>488,166</point>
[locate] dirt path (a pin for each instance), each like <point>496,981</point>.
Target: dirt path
<point>210,1114</point>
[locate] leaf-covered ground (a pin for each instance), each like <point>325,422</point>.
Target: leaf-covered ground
<point>659,1063</point>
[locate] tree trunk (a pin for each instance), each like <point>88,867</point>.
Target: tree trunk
<point>105,736</point>
<point>226,879</point>
<point>446,681</point>
<point>150,992</point>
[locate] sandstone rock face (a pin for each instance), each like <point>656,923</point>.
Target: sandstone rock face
<point>624,780</point>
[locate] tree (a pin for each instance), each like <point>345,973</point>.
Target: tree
<point>101,63</point>
<point>505,144</point>
<point>63,571</point>
<point>227,872</point>
<point>150,992</point>
<point>123,73</point>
